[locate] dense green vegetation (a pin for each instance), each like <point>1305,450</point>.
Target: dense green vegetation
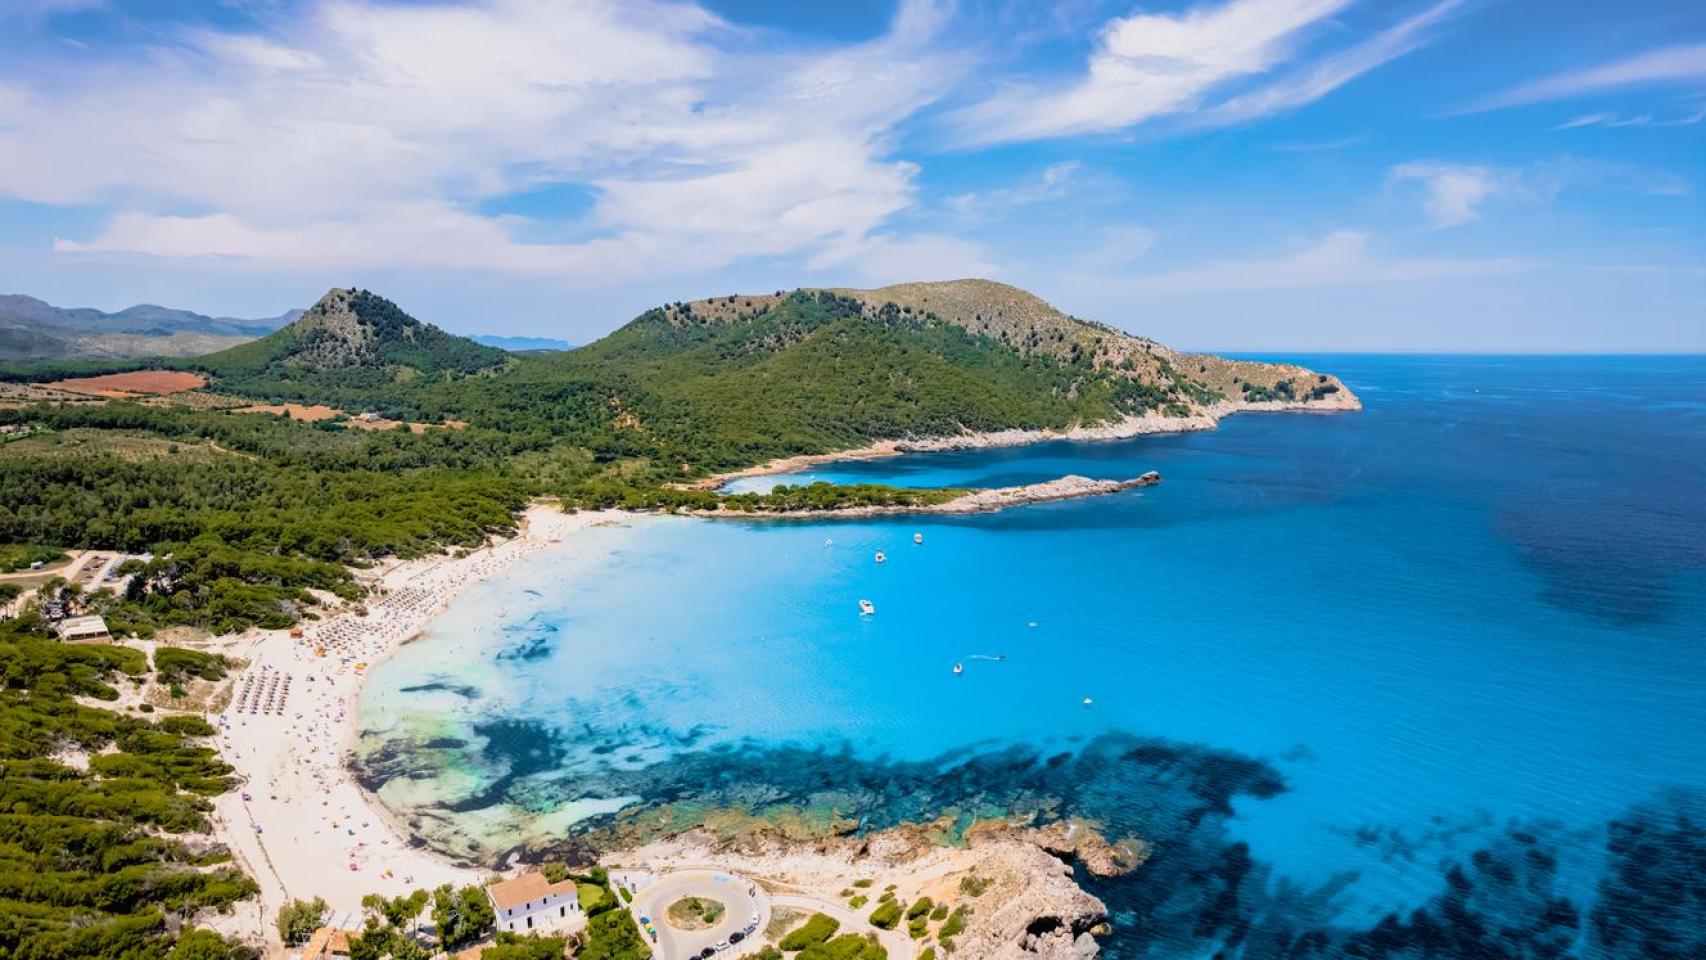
<point>19,556</point>
<point>298,919</point>
<point>105,855</point>
<point>461,916</point>
<point>848,946</point>
<point>318,361</point>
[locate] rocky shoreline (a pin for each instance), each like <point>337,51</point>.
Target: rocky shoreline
<point>1069,487</point>
<point>1207,419</point>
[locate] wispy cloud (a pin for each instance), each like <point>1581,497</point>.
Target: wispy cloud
<point>1331,72</point>
<point>1341,258</point>
<point>1453,191</point>
<point>1603,118</point>
<point>1054,182</point>
<point>1319,146</point>
<point>370,133</point>
<point>1151,65</point>
<point>1684,63</point>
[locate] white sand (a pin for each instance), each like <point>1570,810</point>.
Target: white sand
<point>299,823</point>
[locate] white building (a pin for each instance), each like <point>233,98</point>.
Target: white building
<point>84,630</point>
<point>530,902</point>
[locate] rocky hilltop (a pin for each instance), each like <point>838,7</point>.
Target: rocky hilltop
<point>349,339</point>
<point>1020,321</point>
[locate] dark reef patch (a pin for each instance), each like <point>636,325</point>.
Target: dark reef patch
<point>463,690</point>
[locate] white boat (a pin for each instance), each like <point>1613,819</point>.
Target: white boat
<point>959,668</point>
<point>918,538</point>
<point>881,556</point>
<point>1088,701</point>
<point>867,608</point>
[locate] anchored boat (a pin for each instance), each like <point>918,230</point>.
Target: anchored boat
<point>867,608</point>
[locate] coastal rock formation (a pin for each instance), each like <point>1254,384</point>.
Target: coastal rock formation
<point>1020,901</point>
<point>1065,488</point>
<point>1074,839</point>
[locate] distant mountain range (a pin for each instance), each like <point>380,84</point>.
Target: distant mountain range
<point>522,344</point>
<point>32,329</point>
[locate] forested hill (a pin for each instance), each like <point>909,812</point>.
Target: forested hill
<point>349,339</point>
<point>735,380</point>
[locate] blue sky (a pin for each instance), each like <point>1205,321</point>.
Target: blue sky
<point>1311,175</point>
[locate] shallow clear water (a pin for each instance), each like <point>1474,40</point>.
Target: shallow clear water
<point>1481,600</point>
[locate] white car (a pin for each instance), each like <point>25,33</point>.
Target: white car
<point>720,946</point>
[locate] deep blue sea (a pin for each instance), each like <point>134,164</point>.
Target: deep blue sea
<point>1423,680</point>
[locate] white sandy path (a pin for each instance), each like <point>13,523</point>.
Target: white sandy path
<point>299,820</point>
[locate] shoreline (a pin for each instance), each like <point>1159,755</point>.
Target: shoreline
<point>980,500</point>
<point>298,820</point>
<point>1129,428</point>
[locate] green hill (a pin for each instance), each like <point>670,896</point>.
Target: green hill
<point>735,380</point>
<point>351,340</point>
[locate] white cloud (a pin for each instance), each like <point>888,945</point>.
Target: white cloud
<point>1054,182</point>
<point>1151,65</point>
<point>1665,65</point>
<point>1605,118</point>
<point>372,133</point>
<point>1453,191</point>
<point>1341,258</point>
<point>1121,243</point>
<point>1334,71</point>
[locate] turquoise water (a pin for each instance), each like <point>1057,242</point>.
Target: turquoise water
<point>1356,650</point>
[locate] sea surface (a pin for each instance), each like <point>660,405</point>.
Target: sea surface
<point>1423,680</point>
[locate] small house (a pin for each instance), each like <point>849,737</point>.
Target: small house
<point>84,630</point>
<point>531,902</point>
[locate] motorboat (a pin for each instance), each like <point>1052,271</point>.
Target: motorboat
<point>959,668</point>
<point>881,557</point>
<point>918,538</point>
<point>1088,701</point>
<point>867,608</point>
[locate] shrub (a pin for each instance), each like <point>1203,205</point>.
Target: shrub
<point>817,928</point>
<point>298,919</point>
<point>886,916</point>
<point>956,923</point>
<point>920,908</point>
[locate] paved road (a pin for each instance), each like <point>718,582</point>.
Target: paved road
<point>654,899</point>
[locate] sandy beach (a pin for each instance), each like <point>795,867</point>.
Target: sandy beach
<point>298,821</point>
